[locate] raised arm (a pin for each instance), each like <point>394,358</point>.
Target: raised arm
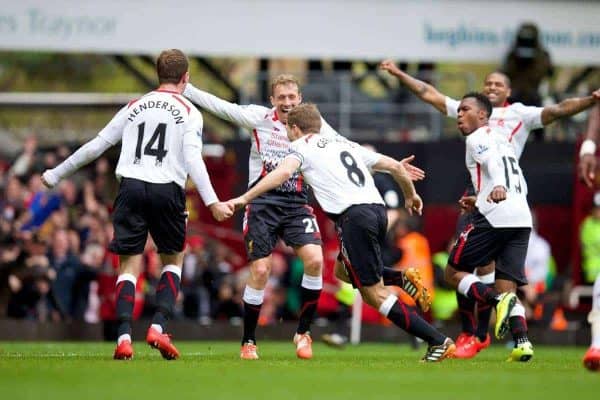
<point>245,116</point>
<point>272,180</point>
<point>569,107</point>
<point>421,89</point>
<point>587,152</point>
<point>412,201</point>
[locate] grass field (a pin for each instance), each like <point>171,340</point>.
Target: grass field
<point>212,370</point>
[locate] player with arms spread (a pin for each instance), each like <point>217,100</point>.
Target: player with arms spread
<point>282,212</point>
<point>338,172</point>
<point>513,122</point>
<point>161,135</point>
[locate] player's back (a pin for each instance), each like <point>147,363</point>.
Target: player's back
<point>153,137</point>
<point>338,171</point>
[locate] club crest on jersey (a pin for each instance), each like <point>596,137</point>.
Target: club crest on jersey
<point>481,148</point>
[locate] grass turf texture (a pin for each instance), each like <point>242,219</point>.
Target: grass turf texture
<point>212,370</point>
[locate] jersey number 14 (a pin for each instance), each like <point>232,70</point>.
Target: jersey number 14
<point>149,150</point>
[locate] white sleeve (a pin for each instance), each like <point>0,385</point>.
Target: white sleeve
<point>369,157</point>
<point>484,152</point>
<point>113,131</point>
<point>194,164</point>
<point>530,115</point>
<point>296,152</point>
<point>326,130</point>
<point>245,116</point>
<point>452,107</point>
<point>86,153</point>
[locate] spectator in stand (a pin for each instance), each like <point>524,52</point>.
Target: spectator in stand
<point>527,64</point>
<point>67,268</point>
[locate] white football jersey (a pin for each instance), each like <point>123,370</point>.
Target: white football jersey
<point>337,170</point>
<point>491,161</point>
<point>269,141</point>
<point>153,130</point>
<point>514,121</point>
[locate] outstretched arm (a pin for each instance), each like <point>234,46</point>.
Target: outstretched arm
<point>421,89</point>
<point>85,154</point>
<point>274,179</point>
<point>245,116</point>
<point>412,201</point>
<point>569,107</point>
<point>587,153</point>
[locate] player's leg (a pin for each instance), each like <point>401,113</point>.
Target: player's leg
<point>167,219</point>
<point>129,270</point>
<point>510,273</point>
<point>310,290</point>
<point>259,227</point>
<point>363,230</point>
<point>299,229</point>
<point>484,311</point>
<point>466,305</point>
<point>408,319</point>
<point>591,360</point>
<point>253,297</point>
<point>130,234</point>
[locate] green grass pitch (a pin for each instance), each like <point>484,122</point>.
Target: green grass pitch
<point>212,370</point>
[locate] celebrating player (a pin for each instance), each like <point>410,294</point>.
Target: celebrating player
<point>513,122</point>
<point>161,135</point>
<point>338,172</point>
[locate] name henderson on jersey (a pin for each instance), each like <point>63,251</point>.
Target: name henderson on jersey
<point>172,108</point>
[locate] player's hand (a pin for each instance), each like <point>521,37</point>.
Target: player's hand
<point>45,180</point>
<point>587,169</point>
<point>414,173</point>
<point>596,94</point>
<point>467,204</point>
<point>497,195</point>
<point>414,204</point>
<point>221,211</point>
<point>238,202</point>
<point>389,66</point>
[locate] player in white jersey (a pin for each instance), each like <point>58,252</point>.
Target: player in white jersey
<point>161,135</point>
<point>512,121</point>
<point>587,170</point>
<point>280,213</point>
<point>500,225</point>
<point>338,172</point>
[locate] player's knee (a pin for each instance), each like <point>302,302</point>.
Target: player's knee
<point>260,273</point>
<point>313,265</point>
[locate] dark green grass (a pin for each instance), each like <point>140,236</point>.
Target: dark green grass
<point>212,370</point>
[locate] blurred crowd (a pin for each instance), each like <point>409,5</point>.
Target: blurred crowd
<point>54,261</point>
<point>55,265</point>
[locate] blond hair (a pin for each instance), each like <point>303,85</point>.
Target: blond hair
<point>306,117</point>
<point>284,79</point>
<point>171,65</point>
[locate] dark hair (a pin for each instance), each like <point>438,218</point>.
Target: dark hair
<point>482,100</point>
<point>171,65</point>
